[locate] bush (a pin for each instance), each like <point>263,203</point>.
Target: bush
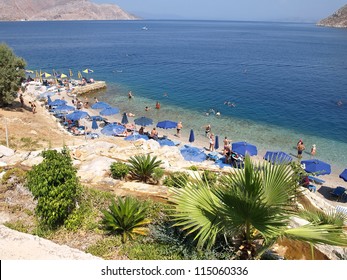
<point>55,185</point>
<point>193,168</point>
<point>142,167</point>
<point>158,173</point>
<point>127,217</point>
<point>119,170</point>
<point>176,179</point>
<point>209,177</point>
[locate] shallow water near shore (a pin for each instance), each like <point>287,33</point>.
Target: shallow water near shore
<point>284,78</point>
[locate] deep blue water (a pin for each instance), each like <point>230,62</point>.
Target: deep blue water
<point>285,78</point>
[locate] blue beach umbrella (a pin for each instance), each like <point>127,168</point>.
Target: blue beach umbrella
<point>143,121</point>
<point>49,100</point>
<point>167,124</point>
<point>243,148</point>
<point>100,105</point>
<point>109,111</point>
<point>57,102</point>
<point>64,108</point>
<point>277,157</point>
<point>77,115</point>
<point>343,175</point>
<point>166,142</point>
<point>316,166</point>
<point>191,136</point>
<point>193,154</point>
<point>216,142</point>
<point>135,137</point>
<point>87,71</point>
<point>112,129</point>
<point>46,75</point>
<point>94,124</point>
<point>124,119</point>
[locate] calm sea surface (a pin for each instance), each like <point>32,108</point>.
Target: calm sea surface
<point>285,79</point>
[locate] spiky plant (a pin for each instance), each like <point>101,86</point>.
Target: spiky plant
<point>142,167</point>
<point>253,205</point>
<point>126,217</point>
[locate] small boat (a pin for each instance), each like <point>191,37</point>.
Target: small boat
<point>145,28</point>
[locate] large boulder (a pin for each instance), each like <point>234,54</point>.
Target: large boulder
<point>95,170</point>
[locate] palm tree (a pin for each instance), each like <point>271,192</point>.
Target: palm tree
<point>127,217</point>
<point>142,167</point>
<point>254,206</point>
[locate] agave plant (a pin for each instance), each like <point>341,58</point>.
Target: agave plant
<point>253,205</point>
<point>142,167</point>
<point>127,217</point>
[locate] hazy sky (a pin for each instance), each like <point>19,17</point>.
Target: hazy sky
<point>272,10</point>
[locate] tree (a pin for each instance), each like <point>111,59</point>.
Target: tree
<point>253,206</point>
<point>11,75</point>
<point>54,183</point>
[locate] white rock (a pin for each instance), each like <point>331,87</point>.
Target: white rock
<point>7,152</point>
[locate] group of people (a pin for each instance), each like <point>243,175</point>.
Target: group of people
<point>301,147</point>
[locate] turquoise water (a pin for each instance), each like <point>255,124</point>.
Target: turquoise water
<point>284,78</point>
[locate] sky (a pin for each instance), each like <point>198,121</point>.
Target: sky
<point>249,10</point>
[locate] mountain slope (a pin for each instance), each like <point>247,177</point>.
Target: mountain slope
<point>13,10</point>
<point>337,19</point>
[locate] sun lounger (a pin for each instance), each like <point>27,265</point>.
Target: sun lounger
<point>213,156</point>
<point>341,209</point>
<point>339,192</point>
<point>316,180</point>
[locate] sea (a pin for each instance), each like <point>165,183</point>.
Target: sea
<point>273,83</point>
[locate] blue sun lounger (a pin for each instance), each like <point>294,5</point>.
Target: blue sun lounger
<point>316,180</point>
<point>339,192</point>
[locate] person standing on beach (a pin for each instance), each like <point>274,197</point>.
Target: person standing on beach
<point>313,150</point>
<point>211,148</point>
<point>178,129</point>
<point>300,148</point>
<point>207,130</point>
<point>21,99</point>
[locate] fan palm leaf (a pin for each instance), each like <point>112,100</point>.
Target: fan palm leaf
<point>142,166</point>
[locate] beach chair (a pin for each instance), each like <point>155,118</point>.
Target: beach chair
<point>316,180</point>
<point>341,209</point>
<point>339,192</point>
<point>213,156</point>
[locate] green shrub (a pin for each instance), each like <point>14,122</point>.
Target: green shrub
<point>55,185</point>
<point>176,179</point>
<point>127,217</point>
<point>105,247</point>
<point>209,177</point>
<point>193,168</point>
<point>142,167</point>
<point>158,173</point>
<point>119,170</point>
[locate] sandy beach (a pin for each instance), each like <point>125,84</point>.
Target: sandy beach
<point>45,129</point>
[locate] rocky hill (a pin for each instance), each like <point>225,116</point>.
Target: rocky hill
<point>15,10</point>
<point>337,19</point>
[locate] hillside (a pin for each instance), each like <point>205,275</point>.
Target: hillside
<point>15,10</point>
<point>337,19</point>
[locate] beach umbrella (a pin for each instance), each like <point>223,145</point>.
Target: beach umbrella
<point>135,137</point>
<point>191,136</point>
<point>316,166</point>
<point>193,154</point>
<point>112,129</point>
<point>143,121</point>
<point>216,142</point>
<point>77,115</point>
<point>277,157</point>
<point>166,142</point>
<point>62,76</point>
<point>167,124</point>
<point>124,119</point>
<point>97,118</point>
<point>79,75</point>
<point>45,75</point>
<point>46,94</point>
<point>57,102</point>
<point>94,124</point>
<point>343,175</point>
<point>109,111</point>
<point>64,108</point>
<point>29,71</point>
<point>70,73</point>
<point>49,100</point>
<point>243,148</point>
<point>87,71</point>
<point>100,105</point>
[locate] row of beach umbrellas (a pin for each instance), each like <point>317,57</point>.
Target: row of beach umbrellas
<point>311,166</point>
<point>57,75</point>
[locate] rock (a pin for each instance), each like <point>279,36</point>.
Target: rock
<point>32,161</point>
<point>7,152</point>
<point>338,19</point>
<point>95,170</point>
